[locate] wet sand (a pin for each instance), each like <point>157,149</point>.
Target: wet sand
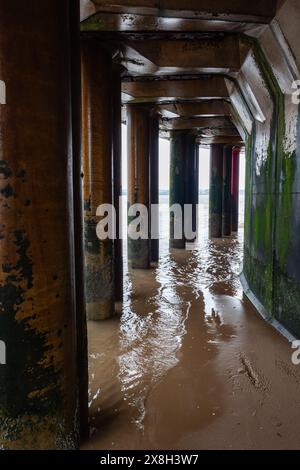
<point>190,364</point>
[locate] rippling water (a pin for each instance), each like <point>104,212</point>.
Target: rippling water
<point>130,355</point>
<point>189,364</point>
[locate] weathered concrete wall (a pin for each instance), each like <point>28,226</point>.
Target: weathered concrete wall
<point>260,180</point>
<point>287,224</point>
<point>272,225</point>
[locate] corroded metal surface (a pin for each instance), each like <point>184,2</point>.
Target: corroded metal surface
<point>215,190</point>
<point>97,176</point>
<point>154,185</point>
<point>177,184</point>
<point>191,187</point>
<point>226,192</point>
<point>117,181</point>
<point>81,323</point>
<point>183,186</point>
<point>38,384</point>
<point>139,255</point>
<point>235,189</point>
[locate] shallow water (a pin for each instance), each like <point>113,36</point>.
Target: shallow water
<point>189,364</point>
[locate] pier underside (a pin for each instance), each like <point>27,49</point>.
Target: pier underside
<point>132,317</point>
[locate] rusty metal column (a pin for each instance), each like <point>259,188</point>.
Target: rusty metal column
<point>177,187</point>
<point>196,190</point>
<point>117,180</point>
<point>138,127</point>
<point>215,190</point>
<point>191,182</point>
<point>235,188</point>
<point>38,382</point>
<point>81,323</point>
<point>97,116</point>
<point>154,185</point>
<point>226,194</point>
<point>81,326</point>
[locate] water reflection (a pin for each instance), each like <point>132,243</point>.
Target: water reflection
<point>151,371</point>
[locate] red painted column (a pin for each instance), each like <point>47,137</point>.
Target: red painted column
<point>235,188</point>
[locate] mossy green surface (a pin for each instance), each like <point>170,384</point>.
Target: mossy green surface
<point>269,214</point>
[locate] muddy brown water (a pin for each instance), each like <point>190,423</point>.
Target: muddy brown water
<point>190,364</point>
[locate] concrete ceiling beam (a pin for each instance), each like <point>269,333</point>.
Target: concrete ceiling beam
<point>215,131</point>
<point>197,123</point>
<point>139,23</point>
<point>145,91</point>
<point>205,108</point>
<point>228,140</point>
<point>215,54</point>
<point>260,12</point>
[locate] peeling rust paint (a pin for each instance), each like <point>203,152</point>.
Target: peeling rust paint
<point>38,383</point>
<point>97,180</point>
<point>29,390</point>
<point>139,251</point>
<point>177,182</point>
<point>5,170</point>
<point>7,191</point>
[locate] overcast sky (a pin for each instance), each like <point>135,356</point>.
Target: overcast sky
<point>164,160</point>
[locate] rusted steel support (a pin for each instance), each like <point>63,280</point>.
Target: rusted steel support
<point>81,324</point>
<point>154,185</point>
<point>215,190</point>
<point>138,180</point>
<point>191,183</point>
<point>196,190</point>
<point>235,189</point>
<point>117,180</point>
<point>226,194</point>
<point>38,383</point>
<point>177,188</point>
<point>97,91</point>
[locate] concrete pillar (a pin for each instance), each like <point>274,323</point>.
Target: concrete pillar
<point>81,324</point>
<point>97,91</point>
<point>177,185</point>
<point>154,185</point>
<point>226,193</point>
<point>138,180</point>
<point>191,182</point>
<point>235,188</point>
<point>215,190</point>
<point>117,181</point>
<point>38,382</point>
